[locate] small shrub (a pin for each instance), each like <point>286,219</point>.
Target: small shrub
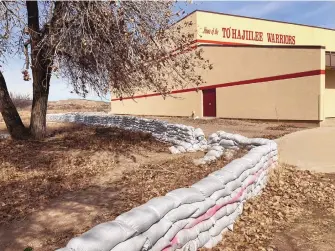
<point>21,100</point>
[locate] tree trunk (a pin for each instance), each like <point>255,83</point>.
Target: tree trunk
<point>40,102</point>
<point>9,113</point>
<point>41,69</point>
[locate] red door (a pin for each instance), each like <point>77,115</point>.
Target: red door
<point>209,103</point>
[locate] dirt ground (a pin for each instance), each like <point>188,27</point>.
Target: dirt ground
<point>248,128</point>
<point>79,176</point>
<point>82,176</point>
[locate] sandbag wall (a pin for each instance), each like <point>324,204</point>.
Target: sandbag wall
<point>187,218</point>
<point>220,143</point>
<point>184,138</point>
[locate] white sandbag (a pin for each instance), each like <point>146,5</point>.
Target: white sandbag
<point>203,147</point>
<point>198,132</point>
<point>175,228</point>
<point>202,207</point>
<point>185,145</point>
<point>214,153</point>
<point>220,224</point>
<point>160,244</point>
<point>190,246</point>
<point>230,227</point>
<point>139,218</point>
<point>156,231</point>
<point>180,213</point>
<point>203,142</point>
<point>213,136</point>
<point>187,235</point>
<point>238,166</point>
<point>209,159</point>
<point>181,149</point>
<point>161,205</point>
<point>207,186</point>
<point>174,150</point>
<point>240,139</point>
<point>134,244</point>
<point>191,149</point>
<point>186,195</point>
<point>225,175</point>
<point>259,141</point>
<point>196,147</point>
<point>245,175</point>
<point>204,226</point>
<point>227,143</point>
<point>217,148</point>
<point>203,238</point>
<point>102,237</point>
<point>227,210</point>
<point>225,222</point>
<point>213,241</point>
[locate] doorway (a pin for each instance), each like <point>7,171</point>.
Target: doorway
<point>209,102</point>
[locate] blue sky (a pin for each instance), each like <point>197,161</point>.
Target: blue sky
<point>311,13</point>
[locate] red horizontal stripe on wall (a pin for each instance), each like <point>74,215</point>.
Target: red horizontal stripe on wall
<point>242,82</point>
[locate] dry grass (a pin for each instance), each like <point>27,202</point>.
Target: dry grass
<point>33,172</point>
<point>79,161</point>
<point>76,105</point>
<point>283,127</point>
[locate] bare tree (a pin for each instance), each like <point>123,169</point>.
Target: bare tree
<point>126,46</point>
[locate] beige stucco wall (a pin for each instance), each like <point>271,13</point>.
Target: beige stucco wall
<point>187,26</point>
<point>291,99</point>
<point>243,63</point>
<point>181,104</point>
<point>329,94</point>
<point>303,35</point>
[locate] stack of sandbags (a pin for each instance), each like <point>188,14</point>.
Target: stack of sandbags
<point>184,138</point>
<point>226,144</point>
<point>186,218</point>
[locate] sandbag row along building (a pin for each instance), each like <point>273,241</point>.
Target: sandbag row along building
<point>262,69</point>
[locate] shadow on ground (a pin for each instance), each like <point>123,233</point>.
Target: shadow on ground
<point>70,159</point>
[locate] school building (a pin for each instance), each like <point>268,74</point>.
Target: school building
<point>262,69</point>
